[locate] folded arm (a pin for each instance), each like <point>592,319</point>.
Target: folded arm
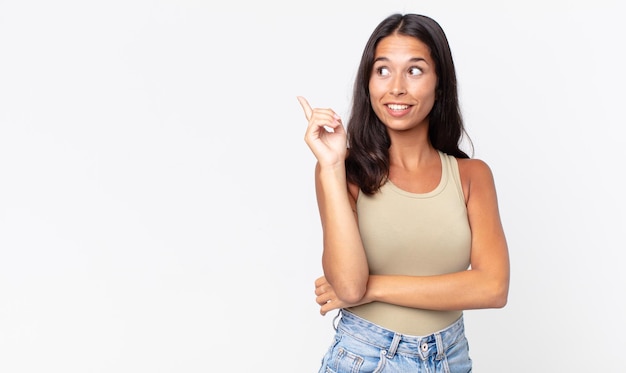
<point>484,285</point>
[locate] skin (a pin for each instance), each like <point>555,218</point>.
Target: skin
<point>402,93</point>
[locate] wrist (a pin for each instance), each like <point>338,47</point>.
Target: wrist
<point>370,292</point>
<point>338,168</point>
<point>331,174</point>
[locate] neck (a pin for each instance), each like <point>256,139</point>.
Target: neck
<point>409,157</point>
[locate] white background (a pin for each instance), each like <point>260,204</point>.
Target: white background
<point>157,210</point>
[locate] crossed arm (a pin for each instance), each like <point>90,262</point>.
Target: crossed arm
<point>347,282</point>
<point>484,285</point>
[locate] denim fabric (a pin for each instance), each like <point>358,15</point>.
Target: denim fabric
<point>360,346</point>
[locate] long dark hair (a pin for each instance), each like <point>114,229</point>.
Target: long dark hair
<point>367,164</point>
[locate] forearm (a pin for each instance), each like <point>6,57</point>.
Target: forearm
<point>471,289</point>
<point>343,258</point>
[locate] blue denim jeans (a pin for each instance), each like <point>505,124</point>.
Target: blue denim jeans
<point>360,346</point>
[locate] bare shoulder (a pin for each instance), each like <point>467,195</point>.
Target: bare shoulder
<point>472,167</point>
<point>475,175</point>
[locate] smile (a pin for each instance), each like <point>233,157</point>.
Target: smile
<point>397,107</point>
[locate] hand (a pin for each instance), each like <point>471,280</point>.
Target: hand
<point>325,134</point>
<point>326,297</point>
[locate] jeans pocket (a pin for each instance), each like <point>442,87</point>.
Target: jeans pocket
<point>346,361</point>
<point>457,357</point>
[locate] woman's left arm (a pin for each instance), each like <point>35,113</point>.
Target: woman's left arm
<point>484,285</point>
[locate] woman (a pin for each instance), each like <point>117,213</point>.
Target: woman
<point>411,230</point>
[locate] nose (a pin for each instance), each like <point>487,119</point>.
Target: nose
<point>397,86</point>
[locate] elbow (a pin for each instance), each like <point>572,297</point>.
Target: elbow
<point>499,296</point>
<point>499,301</point>
<point>350,286</point>
<point>351,293</point>
<point>493,291</point>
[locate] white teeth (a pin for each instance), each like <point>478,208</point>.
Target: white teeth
<point>398,107</point>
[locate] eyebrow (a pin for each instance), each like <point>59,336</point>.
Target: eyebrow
<point>413,59</point>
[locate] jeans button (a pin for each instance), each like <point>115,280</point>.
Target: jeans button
<point>424,346</point>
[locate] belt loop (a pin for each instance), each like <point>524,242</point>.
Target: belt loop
<point>394,345</point>
<point>439,343</point>
<point>335,320</point>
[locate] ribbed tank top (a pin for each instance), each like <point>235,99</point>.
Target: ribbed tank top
<point>414,234</point>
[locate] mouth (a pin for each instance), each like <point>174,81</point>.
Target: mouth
<point>397,107</point>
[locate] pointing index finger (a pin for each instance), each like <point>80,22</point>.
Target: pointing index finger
<point>306,107</point>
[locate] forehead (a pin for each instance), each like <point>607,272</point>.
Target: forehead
<point>398,46</point>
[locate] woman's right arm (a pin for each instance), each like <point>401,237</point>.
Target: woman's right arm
<point>343,257</point>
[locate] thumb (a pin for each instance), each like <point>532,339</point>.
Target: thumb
<point>306,107</point>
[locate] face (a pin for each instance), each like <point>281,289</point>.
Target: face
<point>403,82</point>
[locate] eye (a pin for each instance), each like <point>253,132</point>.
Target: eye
<point>383,71</point>
<point>415,71</point>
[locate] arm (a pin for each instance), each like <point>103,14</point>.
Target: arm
<point>484,285</point>
<point>343,258</point>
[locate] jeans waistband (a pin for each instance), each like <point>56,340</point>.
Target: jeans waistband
<point>423,346</point>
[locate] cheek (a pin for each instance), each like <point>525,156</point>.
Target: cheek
<point>428,101</point>
<point>372,91</point>
<point>425,93</point>
<point>374,97</point>
<point>377,87</point>
<point>376,108</point>
<point>374,94</point>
